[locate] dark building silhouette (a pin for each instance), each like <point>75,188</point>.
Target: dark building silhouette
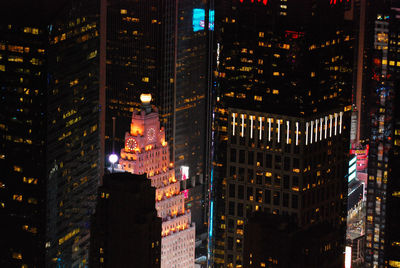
<point>126,231</point>
<point>283,83</point>
<point>276,241</point>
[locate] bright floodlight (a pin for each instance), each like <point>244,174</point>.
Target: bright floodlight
<point>113,158</point>
<point>145,98</point>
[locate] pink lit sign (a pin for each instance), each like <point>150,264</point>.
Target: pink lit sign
<point>185,193</point>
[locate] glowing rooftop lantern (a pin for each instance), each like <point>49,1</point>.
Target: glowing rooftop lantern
<point>145,98</point>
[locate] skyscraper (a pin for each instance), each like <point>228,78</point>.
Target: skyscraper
<point>140,58</point>
<point>284,84</point>
<point>23,117</point>
<point>146,151</point>
<point>51,114</point>
<point>125,229</point>
<point>382,65</point>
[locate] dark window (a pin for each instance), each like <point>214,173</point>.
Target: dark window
<point>260,159</point>
<point>240,209</point>
<point>249,209</point>
<point>267,199</point>
<point>250,157</point>
<point>286,179</point>
<point>241,156</point>
<point>259,177</point>
<point>230,243</point>
<point>268,180</point>
<point>295,201</point>
<point>296,163</point>
<point>278,161</point>
<point>277,198</point>
<point>250,175</point>
<point>277,181</point>
<point>285,200</point>
<point>232,190</point>
<point>295,181</point>
<point>232,208</point>
<point>240,191</point>
<point>233,155</point>
<point>286,163</point>
<point>268,160</point>
<point>232,171</point>
<point>241,174</point>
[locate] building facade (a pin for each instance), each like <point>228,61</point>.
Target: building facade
<point>282,84</point>
<point>382,31</point>
<point>146,152</point>
<point>23,118</point>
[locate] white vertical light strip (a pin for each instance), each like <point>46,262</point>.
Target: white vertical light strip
<point>251,126</point>
<point>306,133</point>
<point>242,130</point>
<point>320,128</point>
<point>335,124</point>
<point>297,133</point>
<point>279,130</point>
<point>340,122</point>
<point>287,131</point>
<point>316,130</point>
<point>233,123</point>
<point>326,126</point>
<point>311,130</point>
<point>330,125</point>
<point>260,133</point>
<point>269,129</point>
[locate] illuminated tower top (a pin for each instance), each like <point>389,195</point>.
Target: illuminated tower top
<point>146,151</point>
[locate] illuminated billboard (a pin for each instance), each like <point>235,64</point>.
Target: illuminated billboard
<point>184,172</point>
<point>352,169</point>
<point>199,19</point>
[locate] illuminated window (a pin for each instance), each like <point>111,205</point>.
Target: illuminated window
<point>145,79</point>
<point>17,197</point>
<point>261,34</point>
<point>2,68</point>
<point>17,256</point>
<point>17,169</point>
<point>124,11</point>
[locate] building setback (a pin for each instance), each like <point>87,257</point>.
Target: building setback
<point>146,152</point>
<point>125,229</point>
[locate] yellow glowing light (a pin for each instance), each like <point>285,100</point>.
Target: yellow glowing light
<point>145,98</point>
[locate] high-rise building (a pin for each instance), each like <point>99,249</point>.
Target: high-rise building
<point>50,119</point>
<point>146,152</point>
<point>140,58</point>
<point>73,138</point>
<point>191,89</point>
<point>284,82</point>
<point>23,116</point>
<point>382,67</point>
<point>125,229</point>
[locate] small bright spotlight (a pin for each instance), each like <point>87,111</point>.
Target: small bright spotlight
<point>113,158</point>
